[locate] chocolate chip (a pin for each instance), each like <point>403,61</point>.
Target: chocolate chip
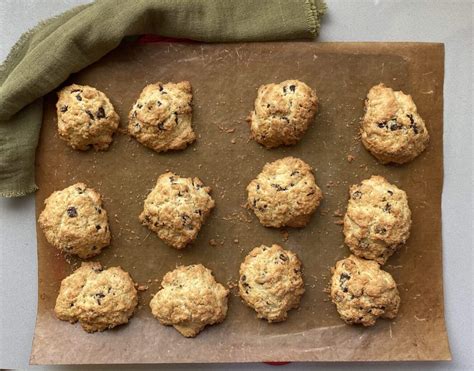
<point>387,208</point>
<point>292,88</point>
<point>283,257</point>
<point>147,219</point>
<point>310,193</point>
<point>100,113</point>
<point>279,188</point>
<point>73,91</point>
<point>390,192</point>
<point>176,117</point>
<point>172,180</point>
<point>284,89</point>
<point>98,296</point>
<point>99,210</point>
<point>254,202</point>
<point>64,108</point>
<point>262,209</point>
<point>294,172</point>
<point>382,125</point>
<point>186,221</point>
<point>286,119</point>
<point>343,278</point>
<point>78,97</point>
<point>413,124</point>
<point>243,278</point>
<point>357,195</point>
<point>161,126</point>
<point>71,212</point>
<point>394,125</point>
<point>380,230</point>
<point>258,187</point>
<point>98,227</point>
<point>160,87</point>
<point>91,116</point>
<point>79,190</point>
<point>158,103</point>
<point>139,106</point>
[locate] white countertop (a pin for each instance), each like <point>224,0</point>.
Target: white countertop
<point>446,21</point>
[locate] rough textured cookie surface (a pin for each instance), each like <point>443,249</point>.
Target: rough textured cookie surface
<point>282,113</point>
<point>176,209</point>
<point>161,117</point>
<point>377,220</point>
<point>285,193</point>
<point>86,118</point>
<point>392,130</point>
<point>99,299</point>
<point>271,282</point>
<point>190,299</point>
<point>75,222</point>
<point>363,292</point>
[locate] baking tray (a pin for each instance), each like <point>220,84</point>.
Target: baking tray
<point>225,78</point>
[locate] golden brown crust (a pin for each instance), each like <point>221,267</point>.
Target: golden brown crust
<point>176,209</point>
<point>285,193</point>
<point>161,117</point>
<point>86,118</point>
<point>190,299</point>
<point>363,292</point>
<point>378,219</point>
<point>392,130</point>
<point>282,113</point>
<point>271,282</point>
<point>75,221</point>
<point>99,299</point>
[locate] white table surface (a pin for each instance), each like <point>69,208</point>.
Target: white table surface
<point>450,22</point>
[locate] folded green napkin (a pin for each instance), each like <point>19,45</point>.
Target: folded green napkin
<point>45,56</point>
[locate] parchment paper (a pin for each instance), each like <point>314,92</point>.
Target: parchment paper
<point>225,79</point>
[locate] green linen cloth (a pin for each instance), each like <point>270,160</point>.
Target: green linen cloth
<point>45,56</point>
